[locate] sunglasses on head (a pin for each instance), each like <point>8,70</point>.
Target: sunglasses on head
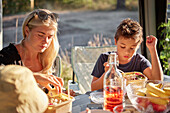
<point>44,16</point>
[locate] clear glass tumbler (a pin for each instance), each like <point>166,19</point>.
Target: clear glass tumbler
<point>128,108</point>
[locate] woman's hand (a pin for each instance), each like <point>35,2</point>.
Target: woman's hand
<point>45,80</point>
<point>151,42</point>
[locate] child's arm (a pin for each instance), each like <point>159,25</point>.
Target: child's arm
<point>155,72</point>
<point>97,83</point>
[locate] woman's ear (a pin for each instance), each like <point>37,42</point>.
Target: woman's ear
<point>26,31</point>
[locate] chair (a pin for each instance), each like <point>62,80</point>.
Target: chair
<point>167,78</point>
<point>57,66</point>
<point>83,59</point>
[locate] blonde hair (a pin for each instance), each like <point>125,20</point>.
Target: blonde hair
<point>48,56</point>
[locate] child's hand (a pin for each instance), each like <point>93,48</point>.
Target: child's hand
<point>106,66</point>
<point>151,42</point>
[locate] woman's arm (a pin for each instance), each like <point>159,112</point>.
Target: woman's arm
<point>45,80</point>
<point>155,72</point>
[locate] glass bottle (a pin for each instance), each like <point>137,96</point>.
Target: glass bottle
<point>113,85</point>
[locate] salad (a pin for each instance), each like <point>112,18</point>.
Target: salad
<point>134,77</point>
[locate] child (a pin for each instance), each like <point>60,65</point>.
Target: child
<point>128,38</point>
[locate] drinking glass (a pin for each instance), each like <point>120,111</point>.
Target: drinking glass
<point>128,108</point>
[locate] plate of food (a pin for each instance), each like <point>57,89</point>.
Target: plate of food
<point>134,77</point>
<point>153,96</point>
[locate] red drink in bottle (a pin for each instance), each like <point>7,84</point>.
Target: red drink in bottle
<point>113,85</point>
<point>113,96</point>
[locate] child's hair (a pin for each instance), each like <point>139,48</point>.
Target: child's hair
<point>129,28</point>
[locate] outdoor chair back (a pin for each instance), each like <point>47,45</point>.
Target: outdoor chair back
<point>57,66</point>
<point>83,59</point>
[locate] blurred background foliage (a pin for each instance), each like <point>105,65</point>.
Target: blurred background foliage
<point>15,6</point>
<point>165,53</point>
<point>20,6</point>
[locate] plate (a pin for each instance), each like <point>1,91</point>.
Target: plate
<point>97,97</point>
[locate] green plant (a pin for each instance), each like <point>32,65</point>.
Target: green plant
<point>165,43</point>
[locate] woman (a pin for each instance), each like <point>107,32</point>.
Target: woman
<point>38,49</point>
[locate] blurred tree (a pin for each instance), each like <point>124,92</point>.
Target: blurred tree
<point>121,5</point>
<point>15,6</point>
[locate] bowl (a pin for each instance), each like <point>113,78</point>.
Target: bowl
<point>134,77</point>
<point>97,97</point>
<point>153,96</point>
<point>60,103</point>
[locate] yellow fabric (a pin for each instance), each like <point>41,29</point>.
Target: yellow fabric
<point>19,92</point>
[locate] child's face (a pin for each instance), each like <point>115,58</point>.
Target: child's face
<point>126,48</point>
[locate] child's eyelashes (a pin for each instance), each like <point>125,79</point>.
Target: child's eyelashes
<point>122,47</point>
<point>125,47</point>
<point>40,35</point>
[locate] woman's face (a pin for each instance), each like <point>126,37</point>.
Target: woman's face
<point>39,38</point>
<point>126,48</point>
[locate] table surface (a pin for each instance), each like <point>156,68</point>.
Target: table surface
<point>83,101</point>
